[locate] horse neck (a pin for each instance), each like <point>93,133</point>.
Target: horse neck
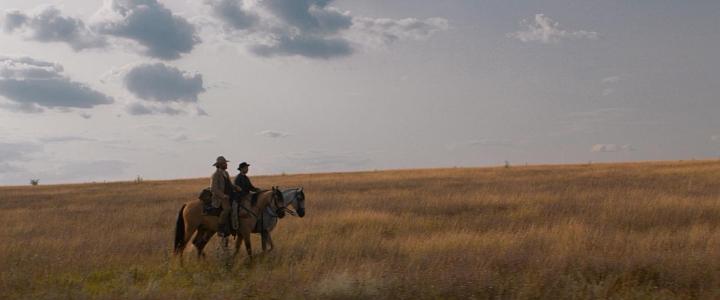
<point>290,197</point>
<point>264,200</point>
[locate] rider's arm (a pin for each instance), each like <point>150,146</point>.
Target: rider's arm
<point>253,188</point>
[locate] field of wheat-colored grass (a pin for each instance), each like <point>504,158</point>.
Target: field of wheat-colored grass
<point>625,231</point>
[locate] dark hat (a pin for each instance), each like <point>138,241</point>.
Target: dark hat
<point>242,165</point>
<point>220,160</point>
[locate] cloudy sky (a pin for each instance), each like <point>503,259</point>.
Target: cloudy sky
<point>94,91</point>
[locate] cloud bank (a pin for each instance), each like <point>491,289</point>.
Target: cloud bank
<point>313,28</point>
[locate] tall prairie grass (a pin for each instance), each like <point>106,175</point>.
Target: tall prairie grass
<point>625,231</point>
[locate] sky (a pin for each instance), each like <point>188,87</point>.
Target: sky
<point>110,90</point>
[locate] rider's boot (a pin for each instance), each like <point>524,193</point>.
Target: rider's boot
<point>223,229</point>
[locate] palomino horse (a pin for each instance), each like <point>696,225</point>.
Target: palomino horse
<point>191,221</point>
<point>293,197</point>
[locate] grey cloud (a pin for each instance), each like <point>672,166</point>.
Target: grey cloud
<point>34,84</point>
<point>310,30</point>
<point>307,46</point>
<point>545,30</point>
<point>26,67</point>
<point>310,15</point>
<point>232,13</point>
<point>201,112</point>
<point>139,109</point>
<point>28,108</point>
<point>163,34</point>
<point>313,28</point>
<point>392,30</point>
<point>273,134</point>
<point>13,20</point>
<point>162,83</point>
<point>48,25</point>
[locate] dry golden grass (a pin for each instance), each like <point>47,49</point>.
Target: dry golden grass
<point>625,231</point>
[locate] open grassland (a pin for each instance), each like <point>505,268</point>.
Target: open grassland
<point>625,231</point>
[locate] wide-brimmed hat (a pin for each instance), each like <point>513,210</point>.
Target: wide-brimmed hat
<point>220,160</point>
<point>242,165</point>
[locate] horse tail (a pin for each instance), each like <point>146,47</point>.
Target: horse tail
<point>180,231</point>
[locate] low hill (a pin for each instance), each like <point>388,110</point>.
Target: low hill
<point>642,230</point>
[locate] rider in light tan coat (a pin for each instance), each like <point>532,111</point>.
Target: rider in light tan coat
<point>222,189</point>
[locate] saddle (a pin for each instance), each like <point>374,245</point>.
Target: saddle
<point>207,208</point>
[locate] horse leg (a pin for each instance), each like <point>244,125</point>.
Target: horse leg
<point>248,245</point>
<point>264,236</point>
<point>270,241</point>
<point>201,240</point>
<point>238,243</point>
<point>246,232</point>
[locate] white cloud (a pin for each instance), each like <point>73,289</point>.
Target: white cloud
<point>139,109</point>
<point>387,31</point>
<point>544,30</point>
<point>611,79</point>
<point>609,84</point>
<point>608,91</point>
<point>611,148</point>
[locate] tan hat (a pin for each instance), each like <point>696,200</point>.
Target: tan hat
<point>220,160</point>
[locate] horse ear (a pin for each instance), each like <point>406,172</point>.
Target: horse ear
<point>301,189</point>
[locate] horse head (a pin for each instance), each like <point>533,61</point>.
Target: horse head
<point>296,198</point>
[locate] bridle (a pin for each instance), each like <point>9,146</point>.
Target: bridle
<point>280,210</point>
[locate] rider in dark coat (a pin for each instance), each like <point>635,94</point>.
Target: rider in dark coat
<point>243,182</point>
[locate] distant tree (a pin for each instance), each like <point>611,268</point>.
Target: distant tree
<point>138,179</point>
<point>34,181</point>
<point>507,164</point>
